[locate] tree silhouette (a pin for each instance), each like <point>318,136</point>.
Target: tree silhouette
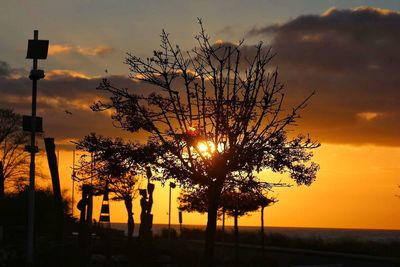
<point>215,115</point>
<point>14,161</point>
<point>234,202</point>
<point>14,207</point>
<point>263,203</point>
<point>117,166</point>
<point>238,203</point>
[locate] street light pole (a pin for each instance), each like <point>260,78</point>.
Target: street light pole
<point>31,208</point>
<point>73,183</point>
<point>37,49</point>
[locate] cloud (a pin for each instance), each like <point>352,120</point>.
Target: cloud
<point>219,42</point>
<point>99,51</point>
<point>358,36</point>
<point>55,49</point>
<point>362,9</point>
<point>54,74</point>
<point>369,116</point>
<point>228,30</point>
<point>63,90</point>
<point>5,69</point>
<point>351,58</point>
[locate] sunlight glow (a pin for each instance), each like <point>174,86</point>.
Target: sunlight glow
<point>206,148</point>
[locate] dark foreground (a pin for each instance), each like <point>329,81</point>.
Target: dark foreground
<point>115,250</point>
<point>251,255</point>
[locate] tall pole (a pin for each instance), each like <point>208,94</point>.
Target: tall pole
<point>31,196</point>
<point>169,213</point>
<point>262,229</point>
<point>236,229</point>
<point>89,213</point>
<point>73,182</point>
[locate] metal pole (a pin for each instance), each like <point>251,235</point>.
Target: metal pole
<point>262,229</point>
<point>89,213</point>
<point>236,226</point>
<point>31,196</point>
<point>73,182</point>
<point>169,214</point>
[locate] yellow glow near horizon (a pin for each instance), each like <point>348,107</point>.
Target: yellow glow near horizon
<point>356,187</point>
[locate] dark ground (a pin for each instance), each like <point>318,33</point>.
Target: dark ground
<point>111,248</point>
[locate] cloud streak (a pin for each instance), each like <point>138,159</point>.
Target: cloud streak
<point>55,49</point>
<point>62,49</point>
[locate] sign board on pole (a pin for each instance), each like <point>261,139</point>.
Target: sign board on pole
<point>27,124</point>
<point>37,49</point>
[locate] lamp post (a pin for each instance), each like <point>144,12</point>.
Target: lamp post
<point>37,49</point>
<point>171,185</point>
<point>73,178</point>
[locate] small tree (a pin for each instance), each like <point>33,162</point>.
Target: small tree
<point>14,161</point>
<point>234,202</point>
<point>116,167</point>
<point>216,116</point>
<point>264,202</point>
<point>14,207</point>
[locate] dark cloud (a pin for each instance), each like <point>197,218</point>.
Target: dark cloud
<point>58,94</point>
<point>5,69</point>
<point>339,40</point>
<point>351,58</point>
<point>227,31</point>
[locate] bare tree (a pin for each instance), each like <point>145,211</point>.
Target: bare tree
<point>116,167</point>
<point>216,116</point>
<point>14,161</point>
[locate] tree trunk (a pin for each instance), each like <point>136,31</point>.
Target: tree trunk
<point>210,235</point>
<point>223,225</point>
<point>131,222</point>
<point>236,237</point>
<point>213,201</point>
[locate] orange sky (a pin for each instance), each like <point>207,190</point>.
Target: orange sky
<point>355,188</point>
<point>348,53</point>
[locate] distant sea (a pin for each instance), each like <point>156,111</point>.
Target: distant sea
<point>328,234</point>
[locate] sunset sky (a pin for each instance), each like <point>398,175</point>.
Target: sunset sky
<point>347,51</point>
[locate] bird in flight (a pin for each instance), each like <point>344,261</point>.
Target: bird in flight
<point>68,112</point>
